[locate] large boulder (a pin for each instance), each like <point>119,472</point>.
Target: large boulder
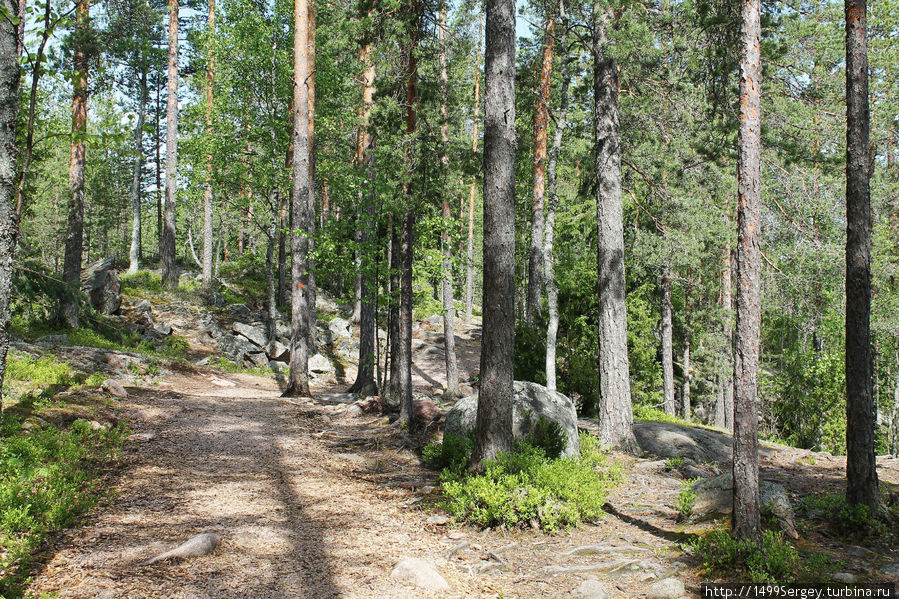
<point>236,347</point>
<point>339,328</point>
<point>319,364</point>
<point>254,334</point>
<point>530,401</point>
<point>714,497</point>
<point>277,351</point>
<point>102,286</point>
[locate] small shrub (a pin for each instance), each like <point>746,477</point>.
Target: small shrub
<point>549,436</point>
<point>453,453</point>
<point>673,463</point>
<point>686,498</point>
<point>647,413</point>
<point>775,561</point>
<point>844,518</point>
<point>526,486</point>
<point>142,280</point>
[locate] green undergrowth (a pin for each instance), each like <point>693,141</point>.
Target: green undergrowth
<point>223,363</point>
<point>32,382</point>
<point>525,487</point>
<point>846,520</point>
<point>48,478</point>
<point>775,561</point>
<point>147,284</point>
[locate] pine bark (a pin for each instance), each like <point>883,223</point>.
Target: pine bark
<point>685,393</point>
<point>746,516</point>
<point>207,192</point>
<point>10,40</point>
<point>541,124</point>
<point>667,344</point>
<point>449,304</point>
<point>493,428</point>
<point>298,380</point>
<point>469,250</point>
<point>861,466</point>
<point>614,410</point>
<point>552,292</point>
<point>71,272</point>
<point>365,382</point>
<point>169,268</point>
<point>724,411</point>
<point>134,253</point>
<point>393,319</point>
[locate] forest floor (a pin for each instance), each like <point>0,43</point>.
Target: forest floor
<point>314,502</point>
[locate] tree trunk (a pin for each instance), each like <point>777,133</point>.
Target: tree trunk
<point>169,268</point>
<point>282,252</point>
<point>615,411</point>
<point>207,192</point>
<point>32,103</point>
<point>861,467</point>
<point>71,273</point>
<point>724,411</point>
<point>685,394</point>
<point>271,285</point>
<point>404,341</point>
<point>469,250</point>
<point>134,254</point>
<point>746,516</point>
<point>310,198</point>
<point>10,75</point>
<point>393,319</point>
<point>298,380</point>
<point>493,428</point>
<point>449,304</point>
<point>158,142</point>
<point>541,123</point>
<point>667,344</point>
<point>365,382</point>
<point>552,292</point>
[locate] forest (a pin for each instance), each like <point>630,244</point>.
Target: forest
<point>682,212</point>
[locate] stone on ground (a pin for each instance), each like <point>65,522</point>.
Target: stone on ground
<point>254,334</point>
<point>668,440</point>
<point>667,588</point>
<point>420,573</point>
<point>530,402</point>
<point>425,409</point>
<point>53,340</point>
<point>714,496</point>
<point>103,286</point>
<point>277,351</point>
<point>590,589</point>
<point>320,364</point>
<point>339,328</point>
<point>114,388</point>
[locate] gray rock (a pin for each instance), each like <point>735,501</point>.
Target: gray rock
<point>530,402</point>
<point>96,426</point>
<point>253,334</point>
<point>324,304</point>
<point>240,311</point>
<point>590,589</point>
<point>891,570</point>
<point>114,388</point>
<point>277,366</point>
<point>434,319</point>
<point>667,588</point>
<point>339,328</point>
<point>163,329</point>
<point>143,306</point>
<point>843,577</point>
<point>667,440</point>
<point>420,573</point>
<point>53,340</point>
<point>320,364</point>
<point>257,358</point>
<point>277,351</point>
<point>236,347</point>
<point>714,496</point>
<point>102,286</point>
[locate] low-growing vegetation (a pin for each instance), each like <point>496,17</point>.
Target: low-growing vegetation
<point>48,477</point>
<point>526,487</point>
<point>844,519</point>
<point>776,561</point>
<point>686,498</point>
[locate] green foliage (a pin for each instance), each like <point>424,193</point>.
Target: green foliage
<point>656,415</point>
<point>686,498</point>
<point>530,353</point>
<point>845,519</point>
<point>673,463</point>
<point>143,282</point>
<point>48,477</point>
<point>525,487</point>
<point>548,436</point>
<point>452,454</point>
<point>775,561</point>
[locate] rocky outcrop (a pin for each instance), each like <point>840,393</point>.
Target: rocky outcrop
<point>530,402</point>
<point>102,286</point>
<point>714,497</point>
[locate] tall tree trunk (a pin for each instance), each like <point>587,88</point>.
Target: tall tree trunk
<point>365,382</point>
<point>282,252</point>
<point>303,220</point>
<point>541,124</point>
<point>207,192</point>
<point>310,198</point>
<point>134,254</point>
<point>158,142</point>
<point>667,344</point>
<point>552,292</point>
<point>724,410</point>
<point>393,319</point>
<point>449,304</point>
<point>493,427</point>
<point>615,410</point>
<point>746,516</point>
<point>271,271</point>
<point>71,272</point>
<point>169,268</point>
<point>469,250</point>
<point>861,467</point>
<point>10,75</point>
<point>32,102</point>
<point>685,394</point>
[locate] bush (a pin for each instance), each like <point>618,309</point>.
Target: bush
<point>527,487</point>
<point>686,498</point>
<point>47,478</point>
<point>844,518</point>
<point>549,436</point>
<point>775,561</point>
<point>143,281</point>
<point>453,454</point>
